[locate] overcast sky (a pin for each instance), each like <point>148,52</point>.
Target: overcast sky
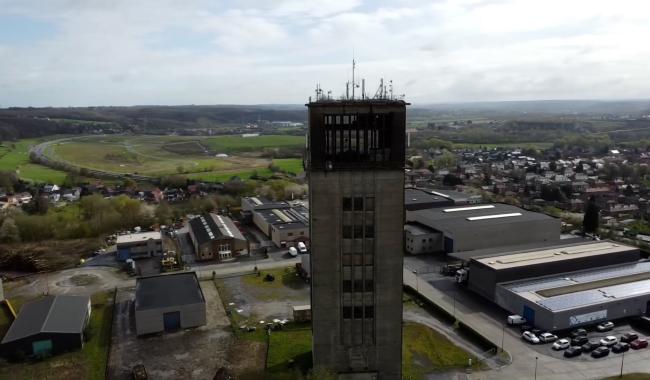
<point>126,52</point>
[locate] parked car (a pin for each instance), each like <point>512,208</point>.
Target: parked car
<point>600,352</point>
<point>547,337</point>
<point>516,320</point>
<point>530,337</point>
<point>639,343</point>
<point>573,351</point>
<point>579,340</point>
<point>609,341</point>
<point>620,347</point>
<point>578,332</point>
<point>302,248</point>
<point>561,344</point>
<point>629,337</point>
<point>605,326</point>
<point>590,346</point>
<point>293,251</point>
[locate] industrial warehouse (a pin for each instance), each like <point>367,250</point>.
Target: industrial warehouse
<point>168,303</point>
<point>517,259</point>
<point>283,223</point>
<point>580,298</point>
<point>466,228</point>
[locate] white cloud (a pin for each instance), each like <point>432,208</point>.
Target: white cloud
<point>275,52</point>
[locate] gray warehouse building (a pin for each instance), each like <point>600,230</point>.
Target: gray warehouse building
<point>485,273</point>
<point>472,227</point>
<point>50,325</point>
<point>580,298</point>
<point>168,303</point>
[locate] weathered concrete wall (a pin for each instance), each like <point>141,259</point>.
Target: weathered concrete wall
<point>380,350</point>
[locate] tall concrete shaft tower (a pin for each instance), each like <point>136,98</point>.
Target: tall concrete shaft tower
<point>356,191</point>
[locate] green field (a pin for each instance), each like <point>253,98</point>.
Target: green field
<point>165,155</point>
<point>15,156</point>
<point>425,350</point>
<point>524,145</point>
<point>234,144</point>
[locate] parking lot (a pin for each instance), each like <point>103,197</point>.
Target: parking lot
<point>489,320</point>
<point>593,335</point>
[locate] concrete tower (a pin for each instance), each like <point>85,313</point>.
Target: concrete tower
<point>355,165</point>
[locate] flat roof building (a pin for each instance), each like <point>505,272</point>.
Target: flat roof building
<point>168,303</point>
<point>573,299</point>
<point>485,273</point>
<point>284,226</point>
<point>471,227</point>
<point>420,199</point>
<point>419,239</point>
<point>50,325</point>
<point>137,245</point>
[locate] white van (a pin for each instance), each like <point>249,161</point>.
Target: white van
<point>302,248</point>
<point>516,320</point>
<point>293,251</point>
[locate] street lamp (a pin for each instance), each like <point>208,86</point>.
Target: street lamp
<point>417,281</point>
<point>622,360</point>
<point>454,306</point>
<point>503,335</point>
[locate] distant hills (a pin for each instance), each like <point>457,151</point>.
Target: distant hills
<point>26,122</point>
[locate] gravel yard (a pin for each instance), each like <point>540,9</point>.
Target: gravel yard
<point>189,354</point>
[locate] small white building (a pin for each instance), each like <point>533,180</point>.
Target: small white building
<point>144,244</point>
<point>420,239</point>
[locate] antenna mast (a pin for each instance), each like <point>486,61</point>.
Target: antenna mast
<point>354,84</point>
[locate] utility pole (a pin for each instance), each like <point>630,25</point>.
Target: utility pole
<point>503,336</point>
<point>622,361</point>
<point>454,306</point>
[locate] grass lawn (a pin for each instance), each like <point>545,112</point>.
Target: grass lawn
<point>15,156</point>
<point>523,145</point>
<point>89,363</point>
<point>5,319</point>
<point>285,345</point>
<point>224,176</point>
<point>631,376</point>
<point>425,350</point>
<point>230,144</point>
<point>290,165</point>
<point>277,289</point>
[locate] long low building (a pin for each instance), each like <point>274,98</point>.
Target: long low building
<point>48,326</point>
<point>580,298</point>
<point>486,273</point>
<point>472,227</point>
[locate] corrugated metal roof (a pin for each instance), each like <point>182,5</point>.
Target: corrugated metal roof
<point>55,314</point>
